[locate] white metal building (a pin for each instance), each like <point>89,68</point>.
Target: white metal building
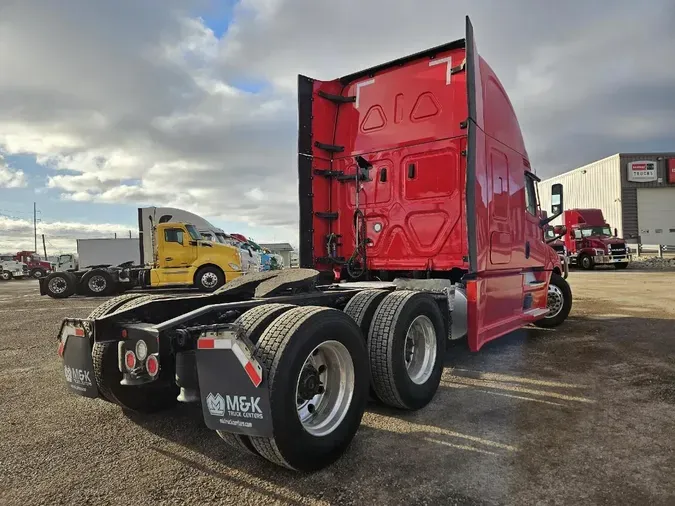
<point>635,191</point>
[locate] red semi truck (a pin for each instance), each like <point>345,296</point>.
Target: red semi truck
<point>38,268</point>
<point>590,241</point>
<point>419,224</point>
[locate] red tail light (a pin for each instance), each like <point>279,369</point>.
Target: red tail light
<point>79,332</point>
<point>60,350</point>
<point>130,360</point>
<point>152,365</point>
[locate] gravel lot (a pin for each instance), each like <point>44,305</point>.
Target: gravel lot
<point>580,415</point>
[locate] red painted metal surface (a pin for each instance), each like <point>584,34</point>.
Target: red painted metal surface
<point>671,170</point>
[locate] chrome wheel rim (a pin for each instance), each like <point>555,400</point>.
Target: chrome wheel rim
<point>325,387</point>
<point>554,301</point>
<point>586,262</point>
<point>209,279</point>
<point>57,285</point>
<point>37,274</point>
<point>97,283</point>
<point>5,275</point>
<point>419,351</point>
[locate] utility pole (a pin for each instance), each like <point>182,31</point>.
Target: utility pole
<point>35,224</point>
<point>44,247</point>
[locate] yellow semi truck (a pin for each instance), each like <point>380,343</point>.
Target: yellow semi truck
<point>180,258</point>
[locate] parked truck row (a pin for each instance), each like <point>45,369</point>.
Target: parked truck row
<point>175,248</point>
<point>419,224</point>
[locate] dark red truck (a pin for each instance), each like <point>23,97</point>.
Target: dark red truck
<point>419,224</point>
<point>590,241</point>
<point>38,268</point>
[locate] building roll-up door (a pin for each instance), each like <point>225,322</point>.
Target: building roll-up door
<point>656,215</point>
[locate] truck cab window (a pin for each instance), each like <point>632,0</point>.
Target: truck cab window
<point>194,233</point>
<point>530,195</point>
<point>173,235</point>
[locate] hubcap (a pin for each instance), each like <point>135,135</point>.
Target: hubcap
<point>5,275</point>
<point>554,301</point>
<point>58,285</point>
<point>586,262</point>
<point>325,388</point>
<point>209,280</point>
<point>37,274</point>
<point>419,351</point>
<point>97,284</point>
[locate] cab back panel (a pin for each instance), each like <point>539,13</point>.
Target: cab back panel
<point>406,119</point>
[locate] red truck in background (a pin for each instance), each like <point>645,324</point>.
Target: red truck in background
<point>38,268</point>
<point>590,241</point>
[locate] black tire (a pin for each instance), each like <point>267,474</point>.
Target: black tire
<point>149,398</point>
<point>361,308</point>
<point>66,282</point>
<point>107,307</point>
<point>565,291</point>
<point>209,272</point>
<point>282,351</point>
<point>239,442</point>
<point>254,321</point>
<point>6,275</point>
<point>137,301</point>
<point>110,306</point>
<point>621,265</point>
<point>158,395</point>
<point>38,273</point>
<point>387,342</point>
<point>585,261</point>
<point>101,279</point>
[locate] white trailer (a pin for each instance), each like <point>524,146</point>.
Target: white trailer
<point>108,251</point>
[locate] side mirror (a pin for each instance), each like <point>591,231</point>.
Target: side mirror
<point>560,230</point>
<point>557,199</point>
<point>616,232</point>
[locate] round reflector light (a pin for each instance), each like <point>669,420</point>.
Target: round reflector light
<point>152,365</point>
<point>141,350</point>
<point>130,360</point>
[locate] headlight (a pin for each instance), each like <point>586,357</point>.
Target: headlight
<point>234,267</point>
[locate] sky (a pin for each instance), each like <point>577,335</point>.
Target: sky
<point>107,106</point>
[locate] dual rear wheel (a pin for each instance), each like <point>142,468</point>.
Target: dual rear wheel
<point>321,363</point>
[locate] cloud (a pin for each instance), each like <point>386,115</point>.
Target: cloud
<point>11,178</point>
<point>141,103</point>
<point>16,234</point>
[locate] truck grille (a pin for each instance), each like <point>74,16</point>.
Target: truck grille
<point>617,249</point>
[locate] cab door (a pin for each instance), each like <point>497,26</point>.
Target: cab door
<point>176,253</point>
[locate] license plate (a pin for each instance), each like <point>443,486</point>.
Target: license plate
<point>78,367</point>
<point>234,392</point>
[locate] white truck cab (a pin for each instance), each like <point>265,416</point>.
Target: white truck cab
<point>11,268</point>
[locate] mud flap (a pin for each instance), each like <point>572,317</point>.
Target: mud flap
<point>233,390</point>
<point>75,345</point>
